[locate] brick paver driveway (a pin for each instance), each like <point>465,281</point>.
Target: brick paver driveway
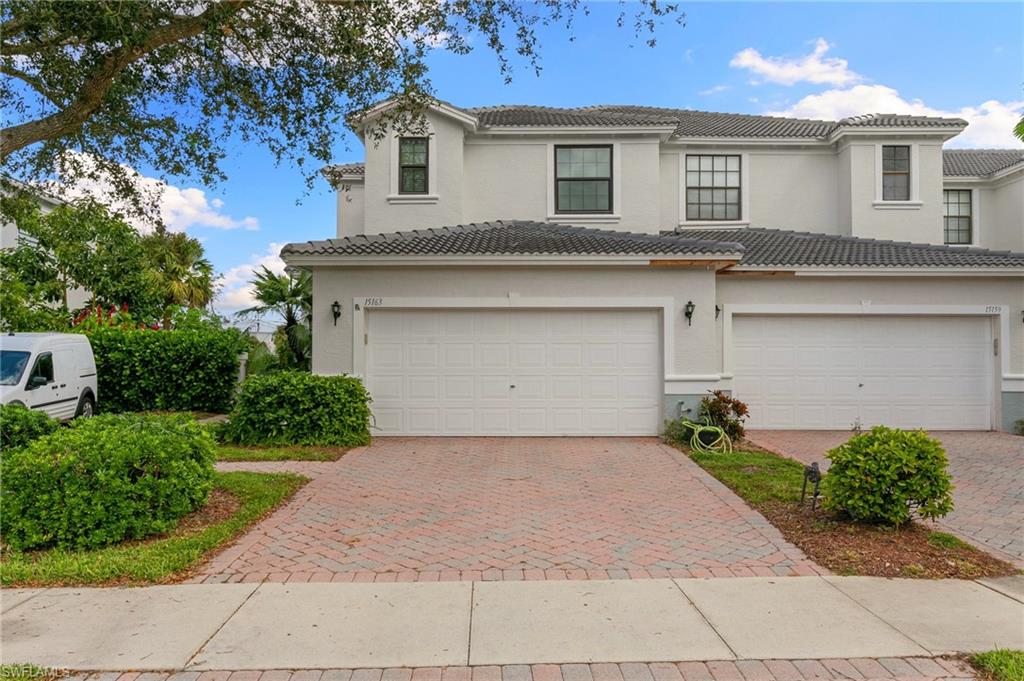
<point>987,470</point>
<point>507,508</point>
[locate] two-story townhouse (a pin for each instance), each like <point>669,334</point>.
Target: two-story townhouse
<point>523,270</point>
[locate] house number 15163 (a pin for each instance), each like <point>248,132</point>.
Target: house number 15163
<point>373,302</point>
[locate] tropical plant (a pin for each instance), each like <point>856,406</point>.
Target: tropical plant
<point>1018,130</point>
<point>722,410</point>
<point>166,83</point>
<point>178,272</point>
<point>290,297</point>
<point>77,245</point>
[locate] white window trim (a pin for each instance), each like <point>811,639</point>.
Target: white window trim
<point>915,202</point>
<point>583,218</point>
<point>361,305</point>
<point>744,220</point>
<point>394,196</point>
<point>975,216</point>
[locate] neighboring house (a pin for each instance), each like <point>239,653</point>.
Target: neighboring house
<point>11,237</point>
<point>523,270</point>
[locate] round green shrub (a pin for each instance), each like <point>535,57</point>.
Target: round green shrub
<point>885,475</point>
<point>20,425</point>
<point>104,480</point>
<point>299,408</point>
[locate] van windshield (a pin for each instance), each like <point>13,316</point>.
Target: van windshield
<point>12,366</point>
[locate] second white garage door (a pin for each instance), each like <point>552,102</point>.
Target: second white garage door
<point>827,372</point>
<point>515,372</point>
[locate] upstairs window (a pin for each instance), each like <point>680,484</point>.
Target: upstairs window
<point>956,216</point>
<point>583,179</point>
<point>712,187</point>
<point>412,165</point>
<point>895,173</point>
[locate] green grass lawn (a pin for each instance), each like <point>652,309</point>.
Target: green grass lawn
<point>755,476</point>
<point>1000,665</point>
<point>156,560</point>
<point>290,453</point>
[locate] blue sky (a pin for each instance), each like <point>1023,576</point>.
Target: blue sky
<point>821,60</point>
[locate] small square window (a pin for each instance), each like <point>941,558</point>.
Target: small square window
<point>583,179</point>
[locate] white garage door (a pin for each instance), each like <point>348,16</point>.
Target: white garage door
<point>828,372</point>
<point>515,372</point>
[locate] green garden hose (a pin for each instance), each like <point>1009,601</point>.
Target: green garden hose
<point>721,444</point>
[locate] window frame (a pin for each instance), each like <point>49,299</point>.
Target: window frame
<point>908,172</point>
<point>610,179</point>
<point>425,165</point>
<point>52,378</point>
<point>971,227</point>
<point>686,187</point>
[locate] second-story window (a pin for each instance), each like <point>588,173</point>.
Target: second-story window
<point>956,216</point>
<point>712,187</point>
<point>412,165</point>
<point>583,179</point>
<point>895,173</point>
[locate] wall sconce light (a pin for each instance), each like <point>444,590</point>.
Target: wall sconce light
<point>336,311</point>
<point>688,312</point>
<point>718,311</point>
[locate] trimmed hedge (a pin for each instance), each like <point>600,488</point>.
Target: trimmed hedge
<point>105,480</point>
<point>299,408</point>
<point>20,425</point>
<point>193,369</point>
<point>885,475</point>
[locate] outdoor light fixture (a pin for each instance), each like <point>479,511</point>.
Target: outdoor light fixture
<point>718,311</point>
<point>688,312</point>
<point>336,311</point>
<point>812,474</point>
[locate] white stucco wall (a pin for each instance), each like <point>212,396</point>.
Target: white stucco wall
<point>919,221</point>
<point>1002,214</point>
<point>350,209</point>
<point>385,210</point>
<point>694,351</point>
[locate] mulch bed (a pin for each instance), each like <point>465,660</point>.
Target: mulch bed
<point>850,548</point>
<point>221,505</point>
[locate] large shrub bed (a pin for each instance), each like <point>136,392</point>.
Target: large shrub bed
<point>193,369</point>
<point>20,425</point>
<point>104,480</point>
<point>298,408</point>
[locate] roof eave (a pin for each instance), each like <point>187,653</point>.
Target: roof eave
<point>760,141</point>
<point>944,131</point>
<point>715,260</point>
<point>469,121</point>
<point>881,270</point>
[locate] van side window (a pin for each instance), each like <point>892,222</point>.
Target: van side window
<point>43,367</point>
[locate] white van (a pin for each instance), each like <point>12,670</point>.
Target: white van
<point>51,372</point>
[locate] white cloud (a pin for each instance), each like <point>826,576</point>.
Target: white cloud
<point>811,68</point>
<point>990,124</point>
<point>234,292</point>
<point>714,90</point>
<point>181,208</point>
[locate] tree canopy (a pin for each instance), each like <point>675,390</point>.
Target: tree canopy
<point>165,83</point>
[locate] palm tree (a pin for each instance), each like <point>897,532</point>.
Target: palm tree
<point>289,296</point>
<point>178,271</point>
<point>1019,129</point>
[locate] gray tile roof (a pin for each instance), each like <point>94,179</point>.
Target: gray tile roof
<point>883,120</point>
<point>770,248</point>
<point>690,123</point>
<point>515,237</point>
<point>978,162</point>
<point>334,173</point>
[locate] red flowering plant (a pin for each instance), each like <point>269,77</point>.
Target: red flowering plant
<point>92,318</point>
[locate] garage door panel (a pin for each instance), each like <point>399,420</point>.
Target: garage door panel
<point>932,372</point>
<point>574,372</point>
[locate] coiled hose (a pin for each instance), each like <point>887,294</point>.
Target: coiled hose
<point>721,444</point>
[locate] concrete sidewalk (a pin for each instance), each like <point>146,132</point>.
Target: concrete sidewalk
<point>323,626</point>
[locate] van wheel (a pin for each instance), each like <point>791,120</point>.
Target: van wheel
<point>86,407</point>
